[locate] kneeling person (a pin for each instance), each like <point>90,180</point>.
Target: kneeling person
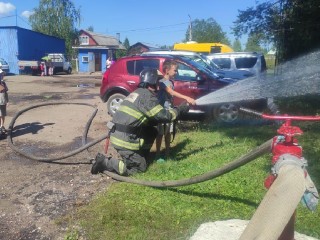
<point>134,127</point>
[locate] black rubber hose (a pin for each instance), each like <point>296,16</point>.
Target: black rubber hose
<point>69,154</point>
<point>86,130</point>
<point>262,149</point>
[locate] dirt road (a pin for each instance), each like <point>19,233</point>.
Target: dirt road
<point>35,195</point>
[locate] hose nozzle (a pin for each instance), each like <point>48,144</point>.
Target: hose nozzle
<point>250,112</point>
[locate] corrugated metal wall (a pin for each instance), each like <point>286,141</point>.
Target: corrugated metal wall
<point>33,45</point>
<point>9,47</point>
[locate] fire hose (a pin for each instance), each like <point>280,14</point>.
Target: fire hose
<point>253,154</point>
<point>69,154</point>
<point>290,182</point>
<point>277,206</point>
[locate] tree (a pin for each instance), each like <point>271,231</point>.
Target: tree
<point>90,28</point>
<point>119,53</point>
<point>126,43</point>
<point>254,44</point>
<point>57,18</point>
<point>166,47</point>
<point>207,31</point>
<point>237,45</point>
<point>291,25</point>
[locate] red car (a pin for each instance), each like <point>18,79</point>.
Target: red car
<point>192,80</point>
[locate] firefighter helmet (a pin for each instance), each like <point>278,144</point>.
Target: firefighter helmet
<point>148,77</point>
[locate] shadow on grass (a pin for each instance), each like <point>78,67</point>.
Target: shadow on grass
<point>259,132</point>
<point>258,129</point>
<point>215,196</point>
<point>184,145</point>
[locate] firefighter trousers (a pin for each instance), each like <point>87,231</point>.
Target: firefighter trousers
<point>132,162</point>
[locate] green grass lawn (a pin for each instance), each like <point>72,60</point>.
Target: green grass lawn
<point>129,211</point>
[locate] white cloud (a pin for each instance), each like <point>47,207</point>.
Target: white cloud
<point>6,8</point>
<point>26,14</point>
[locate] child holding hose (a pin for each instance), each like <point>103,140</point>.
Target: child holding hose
<point>165,95</point>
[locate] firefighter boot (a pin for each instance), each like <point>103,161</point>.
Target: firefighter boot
<point>100,164</point>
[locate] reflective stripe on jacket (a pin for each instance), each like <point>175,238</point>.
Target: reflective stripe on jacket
<point>140,110</point>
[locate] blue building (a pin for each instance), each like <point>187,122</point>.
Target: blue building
<point>94,49</point>
<point>22,44</point>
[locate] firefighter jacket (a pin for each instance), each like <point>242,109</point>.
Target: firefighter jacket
<point>135,119</point>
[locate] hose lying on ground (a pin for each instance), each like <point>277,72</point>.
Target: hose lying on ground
<point>69,154</point>
<point>262,149</point>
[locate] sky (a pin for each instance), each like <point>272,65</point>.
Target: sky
<point>156,23</point>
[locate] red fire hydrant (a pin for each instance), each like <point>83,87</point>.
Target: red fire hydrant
<point>286,143</point>
<point>292,179</point>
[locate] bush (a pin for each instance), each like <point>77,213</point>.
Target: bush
<point>301,105</point>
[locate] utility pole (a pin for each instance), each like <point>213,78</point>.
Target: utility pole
<point>190,29</point>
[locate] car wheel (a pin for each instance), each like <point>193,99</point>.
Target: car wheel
<point>227,113</point>
<point>114,102</point>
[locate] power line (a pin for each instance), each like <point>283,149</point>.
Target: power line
<point>151,28</point>
<point>16,16</point>
<point>24,21</point>
<point>8,16</point>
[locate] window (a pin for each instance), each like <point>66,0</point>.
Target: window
<point>245,62</point>
<point>186,73</point>
<point>85,59</point>
<point>224,63</point>
<point>198,60</point>
<point>135,67</point>
<point>215,49</point>
<point>84,40</point>
<point>130,67</point>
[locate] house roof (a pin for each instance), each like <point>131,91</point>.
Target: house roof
<point>104,40</point>
<point>146,45</point>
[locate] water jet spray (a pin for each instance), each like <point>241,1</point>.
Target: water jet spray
<point>298,77</point>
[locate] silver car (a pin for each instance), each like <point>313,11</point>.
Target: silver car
<point>250,61</point>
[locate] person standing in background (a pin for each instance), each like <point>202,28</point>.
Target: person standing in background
<point>50,65</point>
<point>4,99</point>
<point>42,66</point>
<point>45,68</point>
<point>108,62</point>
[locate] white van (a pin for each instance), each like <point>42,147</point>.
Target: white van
<point>250,61</point>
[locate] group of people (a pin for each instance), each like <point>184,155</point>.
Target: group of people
<point>46,68</point>
<point>3,101</point>
<point>145,116</point>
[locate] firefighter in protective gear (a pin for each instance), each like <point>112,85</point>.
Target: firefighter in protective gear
<point>133,128</point>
